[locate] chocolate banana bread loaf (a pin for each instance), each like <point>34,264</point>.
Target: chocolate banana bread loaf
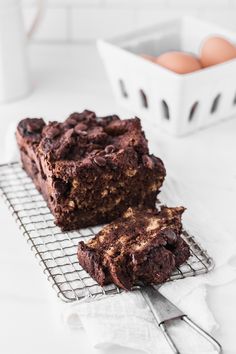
<point>89,169</point>
<point>141,247</point>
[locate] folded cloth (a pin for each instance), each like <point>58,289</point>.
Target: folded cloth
<point>125,320</point>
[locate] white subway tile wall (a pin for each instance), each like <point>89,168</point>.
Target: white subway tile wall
<point>86,20</point>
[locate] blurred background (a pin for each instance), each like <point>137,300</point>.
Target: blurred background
<point>85,20</point>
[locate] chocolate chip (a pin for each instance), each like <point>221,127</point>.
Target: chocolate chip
<point>77,130</point>
<point>97,135</point>
<point>109,149</point>
<point>89,114</point>
<point>73,119</point>
<point>170,236</point>
<point>95,151</point>
<point>31,127</point>
<point>108,119</point>
<point>68,134</point>
<point>62,188</point>
<point>34,126</point>
<point>80,127</point>
<point>116,128</point>
<point>52,132</point>
<point>75,116</point>
<point>61,153</point>
<point>80,131</point>
<point>91,147</point>
<point>66,143</point>
<point>100,161</point>
<point>72,122</point>
<point>148,162</point>
<point>84,116</point>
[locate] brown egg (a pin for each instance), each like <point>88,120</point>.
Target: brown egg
<point>179,62</point>
<point>149,57</point>
<point>216,50</point>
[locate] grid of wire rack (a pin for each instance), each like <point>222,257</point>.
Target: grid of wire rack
<point>56,250</point>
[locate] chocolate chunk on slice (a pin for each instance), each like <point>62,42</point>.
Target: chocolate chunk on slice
<point>31,128</point>
<point>100,161</point>
<point>142,246</point>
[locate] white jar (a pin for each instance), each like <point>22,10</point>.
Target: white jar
<point>14,69</point>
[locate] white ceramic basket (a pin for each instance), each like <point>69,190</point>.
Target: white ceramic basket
<point>179,104</point>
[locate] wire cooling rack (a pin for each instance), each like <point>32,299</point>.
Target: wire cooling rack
<point>56,250</point>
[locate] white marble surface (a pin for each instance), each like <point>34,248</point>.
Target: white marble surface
<point>68,78</point>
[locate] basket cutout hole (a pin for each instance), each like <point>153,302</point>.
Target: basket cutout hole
<point>234,101</point>
<point>165,110</point>
<point>193,111</point>
<point>144,100</point>
<point>215,103</point>
<point>123,90</point>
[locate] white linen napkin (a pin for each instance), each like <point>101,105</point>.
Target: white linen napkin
<point>125,320</point>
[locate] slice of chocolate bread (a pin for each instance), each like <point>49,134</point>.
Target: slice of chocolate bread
<point>142,246</point>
